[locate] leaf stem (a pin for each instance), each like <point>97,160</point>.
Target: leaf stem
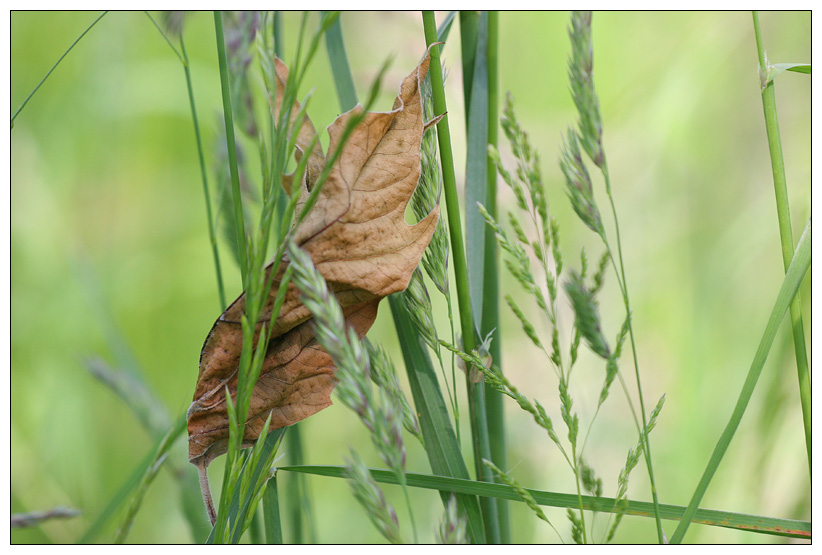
<point>785,234</point>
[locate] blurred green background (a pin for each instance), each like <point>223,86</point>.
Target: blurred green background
<point>109,236</point>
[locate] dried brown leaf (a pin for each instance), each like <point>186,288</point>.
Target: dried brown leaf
<point>357,237</point>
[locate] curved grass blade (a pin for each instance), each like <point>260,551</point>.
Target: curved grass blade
<point>156,462</point>
<point>43,80</point>
<point>737,521</point>
<point>125,493</point>
<point>790,285</point>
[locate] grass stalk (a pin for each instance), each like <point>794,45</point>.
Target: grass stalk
<point>476,395</point>
<point>212,234</point>
<point>490,321</point>
<point>57,63</point>
<point>232,150</point>
<point>621,280</point>
<point>182,55</point>
<point>785,233</point>
<point>790,285</point>
<point>589,134</point>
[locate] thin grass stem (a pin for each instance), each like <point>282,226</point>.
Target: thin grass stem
<point>57,63</point>
<point>490,312</point>
<point>621,279</point>
<point>785,234</point>
<point>476,393</point>
<point>165,36</point>
<point>212,234</point>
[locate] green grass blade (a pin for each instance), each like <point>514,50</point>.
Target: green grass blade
<point>469,23</point>
<point>271,513</point>
<point>237,510</point>
<point>783,213</point>
<point>490,308</point>
<point>232,149</point>
<point>738,521</point>
<point>127,381</point>
<point>476,185</point>
<point>126,491</point>
<point>57,63</point>
<point>476,395</point>
<point>159,457</point>
<point>346,91</point>
<point>476,169</point>
<point>790,285</point>
<point>445,27</point>
<point>441,445</point>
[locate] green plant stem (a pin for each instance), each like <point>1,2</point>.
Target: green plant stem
<point>490,312</point>
<point>476,395</point>
<point>57,63</point>
<point>212,235</point>
<point>623,284</point>
<point>232,150</point>
<point>790,285</point>
<point>785,235</point>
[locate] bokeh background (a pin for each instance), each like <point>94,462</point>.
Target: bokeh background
<point>110,257</point>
